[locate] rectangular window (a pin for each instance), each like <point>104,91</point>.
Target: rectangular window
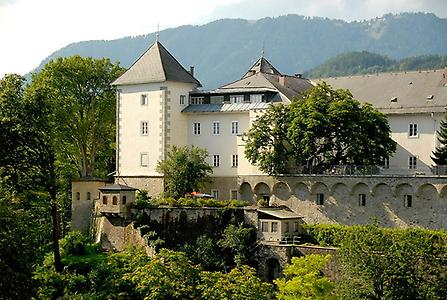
<point>320,199</point>
<point>408,201</point>
<point>233,195</point>
<point>182,99</point>
<point>216,127</point>
<point>362,199</point>
<point>412,162</point>
<point>286,226</point>
<point>297,226</point>
<point>386,163</point>
<point>196,100</point>
<point>234,99</point>
<point>143,99</point>
<point>274,227</point>
<point>216,160</point>
<point>196,128</point>
<point>413,130</point>
<point>264,226</point>
<point>215,194</point>
<point>235,161</point>
<point>234,127</point>
<point>144,159</point>
<point>256,98</point>
<point>144,128</point>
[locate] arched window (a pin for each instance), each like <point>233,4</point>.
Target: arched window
<point>114,200</point>
<point>89,196</point>
<point>124,200</point>
<point>78,196</point>
<point>104,200</point>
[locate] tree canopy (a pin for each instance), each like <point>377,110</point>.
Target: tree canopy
<point>185,170</point>
<point>325,128</point>
<point>83,104</point>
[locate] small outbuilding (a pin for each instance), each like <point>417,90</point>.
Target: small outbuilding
<point>115,199</point>
<point>279,225</point>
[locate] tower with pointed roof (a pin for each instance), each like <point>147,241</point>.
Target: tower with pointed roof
<point>150,97</point>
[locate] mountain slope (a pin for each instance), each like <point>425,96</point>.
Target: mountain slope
<point>222,50</point>
<point>364,62</point>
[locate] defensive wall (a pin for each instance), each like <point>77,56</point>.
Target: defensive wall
<point>395,201</point>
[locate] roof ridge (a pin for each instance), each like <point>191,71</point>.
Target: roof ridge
<point>382,73</point>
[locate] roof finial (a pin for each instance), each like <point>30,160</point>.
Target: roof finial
<point>262,51</point>
<point>158,32</point>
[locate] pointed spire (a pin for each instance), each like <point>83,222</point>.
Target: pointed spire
<point>262,65</point>
<point>157,36</point>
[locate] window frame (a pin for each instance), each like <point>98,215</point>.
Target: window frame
<point>413,130</point>
<point>196,128</point>
<point>236,99</point>
<point>408,200</point>
<point>264,226</point>
<point>216,160</point>
<point>144,128</point>
<point>320,199</point>
<point>235,161</point>
<point>215,194</point>
<point>216,128</point>
<point>142,155</point>
<point>144,100</point>
<point>362,199</point>
<point>182,99</point>
<point>274,226</point>
<point>412,162</point>
<point>234,129</point>
<point>231,194</point>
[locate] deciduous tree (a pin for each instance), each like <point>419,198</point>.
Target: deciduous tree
<point>325,128</point>
<point>185,170</point>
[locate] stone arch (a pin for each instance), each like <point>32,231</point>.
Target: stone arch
<point>403,189</point>
<point>246,192</point>
<point>281,191</point>
<point>360,188</point>
<point>381,190</point>
<point>319,187</point>
<point>443,192</point>
<point>301,191</point>
<point>262,191</point>
<point>339,191</point>
<point>427,192</point>
<point>272,269</point>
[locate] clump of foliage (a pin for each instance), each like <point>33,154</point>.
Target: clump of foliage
<point>239,283</point>
<point>237,239</point>
<point>185,170</point>
<point>327,127</point>
<point>198,202</point>
<point>131,274</point>
<point>304,280</point>
<point>385,263</point>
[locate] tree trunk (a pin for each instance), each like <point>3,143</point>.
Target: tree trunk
<point>55,236</point>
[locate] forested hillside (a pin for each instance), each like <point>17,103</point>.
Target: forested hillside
<point>223,50</point>
<point>364,62</point>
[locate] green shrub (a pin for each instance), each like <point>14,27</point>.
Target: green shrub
<point>74,243</point>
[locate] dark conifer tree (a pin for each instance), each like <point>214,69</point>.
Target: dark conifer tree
<point>440,154</point>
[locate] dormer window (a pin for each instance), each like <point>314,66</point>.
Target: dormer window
<point>430,97</point>
<point>197,100</point>
<point>394,99</point>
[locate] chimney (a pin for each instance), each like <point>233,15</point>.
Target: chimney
<point>298,75</point>
<point>283,80</point>
<point>444,75</point>
<point>191,70</point>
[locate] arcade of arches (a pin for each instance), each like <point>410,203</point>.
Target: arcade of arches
<point>393,201</point>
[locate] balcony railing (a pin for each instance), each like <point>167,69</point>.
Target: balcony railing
<point>355,170</point>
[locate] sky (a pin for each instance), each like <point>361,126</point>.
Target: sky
<point>31,30</point>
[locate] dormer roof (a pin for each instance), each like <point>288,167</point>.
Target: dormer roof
<point>156,65</point>
<point>262,65</point>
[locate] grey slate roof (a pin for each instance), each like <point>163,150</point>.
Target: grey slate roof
<point>280,213</point>
<point>195,108</point>
<point>117,187</point>
<point>262,65</point>
<point>264,75</point>
<point>155,65</point>
<point>412,90</point>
